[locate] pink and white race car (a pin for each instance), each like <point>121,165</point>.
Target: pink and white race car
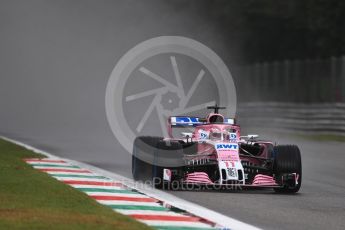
<point>215,154</point>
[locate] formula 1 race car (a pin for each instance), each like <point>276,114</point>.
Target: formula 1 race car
<point>214,153</point>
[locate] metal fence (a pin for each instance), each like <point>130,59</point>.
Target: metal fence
<point>301,81</point>
<point>316,118</point>
<point>305,96</point>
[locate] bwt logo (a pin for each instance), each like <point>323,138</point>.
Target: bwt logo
<point>227,146</point>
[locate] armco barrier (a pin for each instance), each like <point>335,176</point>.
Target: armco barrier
<point>317,118</point>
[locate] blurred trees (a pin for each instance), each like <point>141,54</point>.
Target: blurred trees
<point>267,30</point>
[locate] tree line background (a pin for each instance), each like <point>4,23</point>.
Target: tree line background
<point>271,30</point>
<point>290,51</point>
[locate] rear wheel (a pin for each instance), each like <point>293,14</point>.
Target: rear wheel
<point>142,156</point>
<point>287,160</point>
<point>168,155</point>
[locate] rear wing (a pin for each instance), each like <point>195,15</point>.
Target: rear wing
<point>183,121</point>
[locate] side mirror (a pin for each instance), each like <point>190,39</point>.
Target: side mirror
<point>253,136</point>
<point>250,137</point>
<point>189,135</point>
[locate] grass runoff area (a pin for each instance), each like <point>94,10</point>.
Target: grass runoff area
<point>30,199</point>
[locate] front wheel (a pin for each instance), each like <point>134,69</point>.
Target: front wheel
<point>168,155</point>
<point>142,156</point>
<point>288,168</point>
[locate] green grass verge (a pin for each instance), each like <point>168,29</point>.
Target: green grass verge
<point>30,199</point>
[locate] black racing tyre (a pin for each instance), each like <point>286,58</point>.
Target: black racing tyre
<point>157,176</point>
<point>142,156</point>
<point>287,159</point>
<point>169,155</point>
